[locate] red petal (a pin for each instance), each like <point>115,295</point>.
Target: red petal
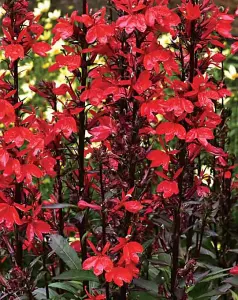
<point>14,51</point>
<point>41,48</point>
<point>133,206</point>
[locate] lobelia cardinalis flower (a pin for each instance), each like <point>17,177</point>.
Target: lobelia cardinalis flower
<point>133,115</point>
<point>234,271</point>
<point>100,262</point>
<point>130,250</point>
<point>132,206</point>
<point>94,297</point>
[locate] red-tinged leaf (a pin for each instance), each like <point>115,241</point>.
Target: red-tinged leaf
<point>23,207</point>
<point>217,43</point>
<point>66,125</point>
<point>100,133</point>
<point>14,51</point>
<point>133,206</point>
<point>143,82</point>
<point>171,130</point>
<point>178,172</point>
<point>192,11</point>
<point>61,90</point>
<point>119,275</point>
<point>159,158</point>
<point>234,48</point>
<point>83,204</point>
<point>214,150</point>
<point>41,48</point>
<point>129,193</point>
<point>10,94</point>
<point>76,111</point>
<point>162,175</point>
<point>72,62</point>
<point>168,188</point>
<point>218,57</point>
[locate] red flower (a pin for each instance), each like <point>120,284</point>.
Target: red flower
<point>170,130</point>
<point>96,297</point>
<point>72,62</point>
<point>36,227</point>
<point>202,134</point>
<point>66,125</point>
<point>119,275</point>
<point>64,29</point>
<point>7,112</point>
<point>234,48</point>
<point>143,82</point>
<point>100,262</point>
<point>192,11</point>
<point>41,48</point>
<point>76,245</point>
<point>132,206</point>
<point>168,188</point>
<point>83,204</point>
<point>130,250</point>
<point>14,51</point>
<point>132,22</point>
<point>8,213</point>
<point>159,158</point>
<point>100,32</point>
<point>234,270</point>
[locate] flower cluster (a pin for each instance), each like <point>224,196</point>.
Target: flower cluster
<point>133,129</point>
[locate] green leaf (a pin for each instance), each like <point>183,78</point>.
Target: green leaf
<point>149,286</point>
<point>40,294</point>
<point>58,206</point>
<point>215,275</point>
<point>138,295</point>
<point>208,295</point>
<point>232,280</point>
<point>78,275</point>
<point>64,286</point>
<point>62,248</point>
<point>234,295</point>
